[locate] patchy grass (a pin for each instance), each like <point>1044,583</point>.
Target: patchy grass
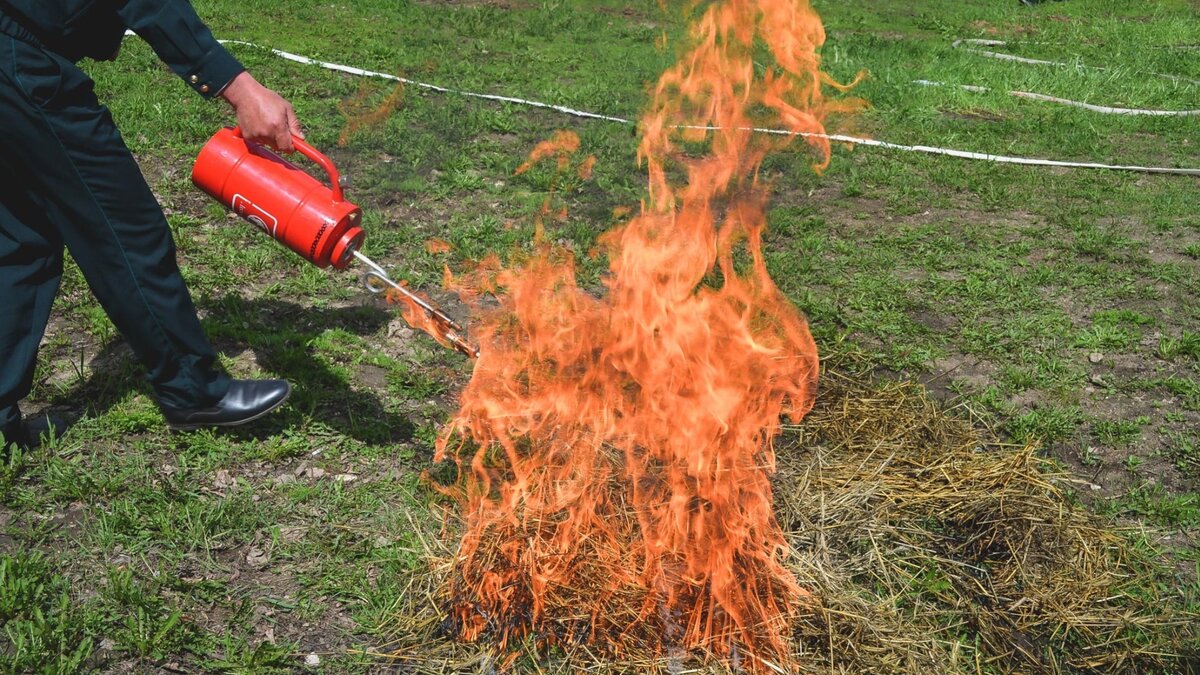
<point>1046,305</point>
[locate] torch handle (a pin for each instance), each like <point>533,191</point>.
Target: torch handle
<point>335,180</point>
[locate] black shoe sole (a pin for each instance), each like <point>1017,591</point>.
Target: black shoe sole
<point>192,426</point>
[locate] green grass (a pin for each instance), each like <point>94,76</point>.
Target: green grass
<point>1153,505</point>
<point>1058,306</point>
<point>44,630</point>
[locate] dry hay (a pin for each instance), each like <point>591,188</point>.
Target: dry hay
<point>929,547</point>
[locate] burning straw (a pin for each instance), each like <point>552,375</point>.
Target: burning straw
<point>617,451</point>
<point>929,547</point>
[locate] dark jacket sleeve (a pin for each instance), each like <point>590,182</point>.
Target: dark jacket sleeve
<point>183,42</point>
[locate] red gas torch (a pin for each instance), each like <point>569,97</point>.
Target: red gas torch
<point>302,213</point>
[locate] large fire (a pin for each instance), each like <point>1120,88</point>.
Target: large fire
<point>615,452</point>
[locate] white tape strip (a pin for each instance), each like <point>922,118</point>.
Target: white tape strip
<point>432,87</point>
<point>958,44</point>
<point>1066,101</point>
<point>1004,159</point>
<point>932,150</point>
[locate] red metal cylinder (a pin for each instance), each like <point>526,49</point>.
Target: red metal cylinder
<point>305,215</point>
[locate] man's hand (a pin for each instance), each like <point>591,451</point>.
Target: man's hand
<point>264,116</point>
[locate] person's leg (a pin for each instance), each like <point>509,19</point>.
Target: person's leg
<point>30,269</point>
<point>76,169</point>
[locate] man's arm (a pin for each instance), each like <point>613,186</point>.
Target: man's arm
<point>186,45</point>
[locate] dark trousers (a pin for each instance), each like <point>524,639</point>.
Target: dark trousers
<point>67,179</point>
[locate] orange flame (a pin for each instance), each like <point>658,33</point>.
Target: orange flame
<point>562,145</point>
<point>417,317</point>
<point>361,114</point>
<point>438,246</point>
<point>615,452</point>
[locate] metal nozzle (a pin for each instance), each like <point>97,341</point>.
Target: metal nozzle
<point>377,281</point>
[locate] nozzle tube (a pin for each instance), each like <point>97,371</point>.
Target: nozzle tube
<point>451,331</point>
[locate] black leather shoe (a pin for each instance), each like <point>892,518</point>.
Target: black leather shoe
<point>246,401</point>
<point>31,433</point>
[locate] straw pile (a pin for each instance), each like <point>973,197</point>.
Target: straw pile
<point>929,548</point>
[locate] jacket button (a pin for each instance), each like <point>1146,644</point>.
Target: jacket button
<point>204,89</point>
<point>194,79</point>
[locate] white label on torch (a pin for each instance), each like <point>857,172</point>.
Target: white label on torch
<point>255,214</point>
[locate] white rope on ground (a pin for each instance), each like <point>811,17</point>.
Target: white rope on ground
<point>958,44</point>
<point>432,87</point>
<point>1108,110</point>
<point>1004,159</point>
<point>839,138</point>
